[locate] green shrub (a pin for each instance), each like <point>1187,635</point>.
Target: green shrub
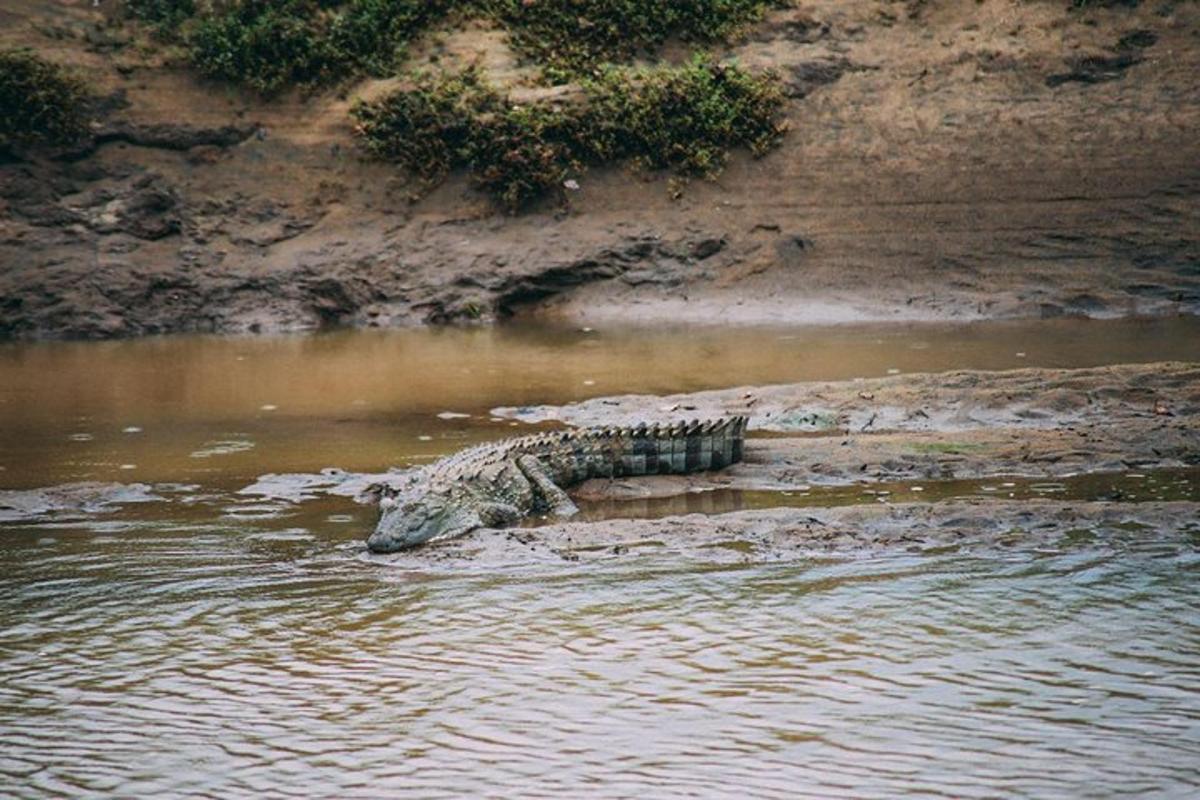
<point>43,103</point>
<point>519,155</point>
<point>682,118</point>
<point>442,123</point>
<point>165,15</point>
<point>572,37</point>
<point>263,44</point>
<point>270,45</point>
<point>427,129</point>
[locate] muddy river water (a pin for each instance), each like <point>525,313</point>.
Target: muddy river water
<point>164,633</point>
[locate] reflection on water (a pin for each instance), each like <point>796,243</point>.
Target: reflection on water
<point>1157,485</point>
<point>198,642</point>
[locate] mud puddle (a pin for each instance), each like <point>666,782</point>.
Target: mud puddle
<point>1126,487</point>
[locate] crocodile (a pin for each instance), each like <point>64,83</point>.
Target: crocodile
<point>493,485</point>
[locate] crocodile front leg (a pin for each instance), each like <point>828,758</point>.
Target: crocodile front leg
<point>555,498</point>
<point>497,515</point>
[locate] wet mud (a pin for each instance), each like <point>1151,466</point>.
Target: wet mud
<point>789,534</point>
<point>944,163</point>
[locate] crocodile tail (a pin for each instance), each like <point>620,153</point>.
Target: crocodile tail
<point>675,449</point>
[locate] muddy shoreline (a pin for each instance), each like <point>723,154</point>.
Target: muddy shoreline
<point>1032,423</point>
<point>790,534</point>
<point>943,163</point>
<point>913,435</point>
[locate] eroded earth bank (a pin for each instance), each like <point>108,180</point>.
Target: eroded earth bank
<point>944,161</point>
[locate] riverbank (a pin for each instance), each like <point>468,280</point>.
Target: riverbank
<point>901,441</point>
<point>943,163</point>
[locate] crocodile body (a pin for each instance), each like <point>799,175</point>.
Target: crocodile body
<point>493,485</point>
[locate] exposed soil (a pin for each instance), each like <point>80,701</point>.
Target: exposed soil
<point>791,533</point>
<point>966,424</point>
<point>945,160</point>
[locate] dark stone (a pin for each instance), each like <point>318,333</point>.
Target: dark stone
<point>1094,69</point>
<point>706,248</point>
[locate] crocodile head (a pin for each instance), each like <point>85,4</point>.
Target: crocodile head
<point>406,522</point>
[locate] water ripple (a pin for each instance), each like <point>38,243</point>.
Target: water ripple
<point>201,656</point>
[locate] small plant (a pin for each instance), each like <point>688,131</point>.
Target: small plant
<point>263,44</point>
<point>685,119</point>
<point>164,15</point>
<point>572,37</point>
<point>428,129</point>
<point>447,122</point>
<point>681,118</point>
<point>519,155</point>
<point>43,103</point>
<point>271,45</point>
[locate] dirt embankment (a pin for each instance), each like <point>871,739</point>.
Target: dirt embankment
<point>945,160</point>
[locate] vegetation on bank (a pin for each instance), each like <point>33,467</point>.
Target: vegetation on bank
<point>270,45</point>
<point>44,104</point>
<point>685,119</point>
<point>571,38</point>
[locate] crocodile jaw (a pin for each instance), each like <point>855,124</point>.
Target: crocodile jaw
<point>403,526</point>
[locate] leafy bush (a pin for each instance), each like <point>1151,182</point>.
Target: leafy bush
<point>519,155</point>
<point>445,122</point>
<point>263,44</point>
<point>427,129</point>
<point>43,103</point>
<point>270,45</point>
<point>164,15</point>
<point>680,118</point>
<point>572,37</point>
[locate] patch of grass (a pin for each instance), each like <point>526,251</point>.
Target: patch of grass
<point>164,15</point>
<point>265,45</point>
<point>44,104</point>
<point>570,38</point>
<point>271,45</point>
<point>444,122</point>
<point>685,119</point>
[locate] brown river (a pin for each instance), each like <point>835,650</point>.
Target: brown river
<point>165,634</point>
